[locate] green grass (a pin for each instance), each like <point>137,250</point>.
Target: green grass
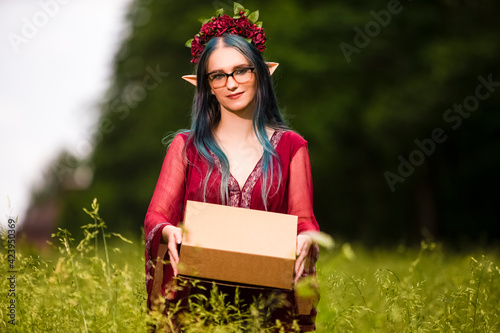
<point>409,290</point>
<point>97,285</point>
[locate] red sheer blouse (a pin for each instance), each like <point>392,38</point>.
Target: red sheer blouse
<point>182,178</point>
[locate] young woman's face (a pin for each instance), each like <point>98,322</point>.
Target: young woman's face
<point>233,96</point>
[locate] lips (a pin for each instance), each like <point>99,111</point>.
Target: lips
<point>235,95</point>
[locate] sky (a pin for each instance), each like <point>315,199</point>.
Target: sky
<point>55,67</point>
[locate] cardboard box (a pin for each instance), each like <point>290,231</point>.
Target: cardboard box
<point>238,245</point>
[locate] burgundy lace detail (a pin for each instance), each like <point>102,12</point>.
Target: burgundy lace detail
<point>246,195</point>
<point>234,192</point>
<point>232,184</point>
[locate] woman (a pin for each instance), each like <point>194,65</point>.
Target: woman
<point>238,152</point>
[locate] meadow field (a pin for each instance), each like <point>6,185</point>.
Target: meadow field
<point>94,282</point>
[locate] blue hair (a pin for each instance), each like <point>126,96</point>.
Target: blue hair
<point>206,115</point>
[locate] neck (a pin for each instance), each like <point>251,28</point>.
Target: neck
<point>235,126</point>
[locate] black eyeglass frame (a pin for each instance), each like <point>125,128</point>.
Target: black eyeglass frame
<point>230,75</point>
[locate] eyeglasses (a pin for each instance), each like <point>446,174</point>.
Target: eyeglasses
<point>240,75</point>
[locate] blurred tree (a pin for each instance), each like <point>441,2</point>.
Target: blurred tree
<point>360,80</point>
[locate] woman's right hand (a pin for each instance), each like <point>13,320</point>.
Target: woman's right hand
<point>172,236</point>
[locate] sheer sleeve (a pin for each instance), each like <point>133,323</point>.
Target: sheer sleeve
<point>300,191</point>
<point>167,203</point>
<point>300,203</point>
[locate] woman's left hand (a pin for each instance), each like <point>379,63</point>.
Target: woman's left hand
<point>304,242</point>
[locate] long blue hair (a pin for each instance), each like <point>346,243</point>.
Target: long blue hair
<point>206,115</point>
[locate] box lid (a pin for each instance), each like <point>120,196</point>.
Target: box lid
<point>242,230</point>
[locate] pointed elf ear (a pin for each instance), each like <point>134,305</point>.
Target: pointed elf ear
<point>192,78</point>
<point>272,66</point>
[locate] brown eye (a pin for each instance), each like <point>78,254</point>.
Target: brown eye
<point>243,75</point>
<point>241,71</point>
<point>217,77</point>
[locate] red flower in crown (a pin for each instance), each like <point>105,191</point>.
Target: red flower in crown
<point>243,24</point>
<point>222,23</point>
<point>196,47</point>
<point>259,39</point>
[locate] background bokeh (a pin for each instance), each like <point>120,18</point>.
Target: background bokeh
<point>398,101</point>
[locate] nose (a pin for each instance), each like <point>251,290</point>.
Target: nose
<point>231,83</point>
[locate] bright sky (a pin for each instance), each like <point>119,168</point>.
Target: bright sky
<point>55,65</point>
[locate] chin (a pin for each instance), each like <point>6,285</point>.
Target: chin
<point>239,107</point>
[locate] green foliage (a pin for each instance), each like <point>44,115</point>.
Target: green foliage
<point>358,116</point>
<point>85,289</point>
<point>75,289</point>
<point>388,291</point>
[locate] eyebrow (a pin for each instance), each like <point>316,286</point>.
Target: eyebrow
<point>234,67</point>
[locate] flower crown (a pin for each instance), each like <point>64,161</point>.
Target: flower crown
<point>243,23</point>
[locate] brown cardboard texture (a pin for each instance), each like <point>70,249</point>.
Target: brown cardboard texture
<point>238,245</point>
